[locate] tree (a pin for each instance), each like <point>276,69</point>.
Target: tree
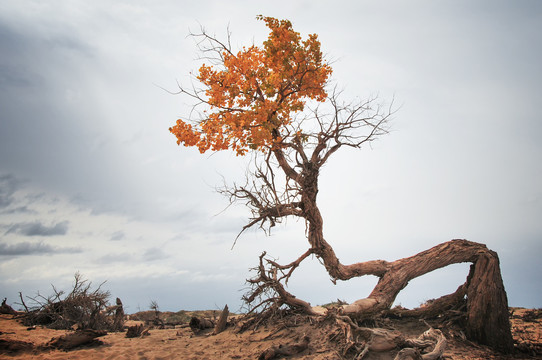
<point>273,101</point>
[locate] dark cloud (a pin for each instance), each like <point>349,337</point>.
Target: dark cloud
<point>12,72</point>
<point>8,186</point>
<point>29,248</point>
<point>118,235</point>
<point>44,134</point>
<point>19,210</point>
<point>38,229</point>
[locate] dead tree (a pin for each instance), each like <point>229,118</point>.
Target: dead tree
<point>253,102</point>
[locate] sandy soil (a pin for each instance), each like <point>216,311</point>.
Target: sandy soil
<point>181,343</point>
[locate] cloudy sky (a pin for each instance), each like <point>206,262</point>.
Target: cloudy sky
<point>92,181</point>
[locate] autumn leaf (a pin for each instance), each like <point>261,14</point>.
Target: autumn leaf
<point>254,93</point>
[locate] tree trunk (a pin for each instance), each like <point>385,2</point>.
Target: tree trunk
<point>487,304</point>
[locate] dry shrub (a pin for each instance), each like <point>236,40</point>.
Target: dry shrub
<point>82,307</point>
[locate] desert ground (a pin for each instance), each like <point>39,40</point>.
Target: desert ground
<point>180,342</point>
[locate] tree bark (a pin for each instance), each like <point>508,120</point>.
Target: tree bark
<point>487,305</point>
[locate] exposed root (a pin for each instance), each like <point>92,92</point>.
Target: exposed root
<point>351,339</point>
<point>428,346</point>
<point>285,350</point>
<point>431,338</point>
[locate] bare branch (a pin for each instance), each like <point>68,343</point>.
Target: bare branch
<point>290,267</point>
<point>267,283</point>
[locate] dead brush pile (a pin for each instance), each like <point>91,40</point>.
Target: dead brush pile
<point>80,308</point>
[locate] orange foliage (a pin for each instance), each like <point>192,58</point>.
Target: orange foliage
<point>256,92</point>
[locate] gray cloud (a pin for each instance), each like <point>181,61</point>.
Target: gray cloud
<point>19,210</point>
<point>115,258</point>
<point>29,248</point>
<point>9,184</point>
<point>117,235</point>
<point>38,229</point>
<point>154,253</point>
<point>12,72</point>
<point>65,135</point>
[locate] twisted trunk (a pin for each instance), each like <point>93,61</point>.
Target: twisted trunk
<point>487,304</point>
<point>486,300</point>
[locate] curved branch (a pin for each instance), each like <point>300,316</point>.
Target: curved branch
<point>285,166</point>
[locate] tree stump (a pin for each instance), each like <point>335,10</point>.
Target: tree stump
<point>222,320</point>
<point>118,322</point>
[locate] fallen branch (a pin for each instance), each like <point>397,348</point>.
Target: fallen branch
<point>198,324</point>
<point>76,339</point>
<point>285,350</point>
<point>22,302</point>
<point>136,331</point>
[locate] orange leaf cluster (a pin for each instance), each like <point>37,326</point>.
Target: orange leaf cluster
<point>256,92</point>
